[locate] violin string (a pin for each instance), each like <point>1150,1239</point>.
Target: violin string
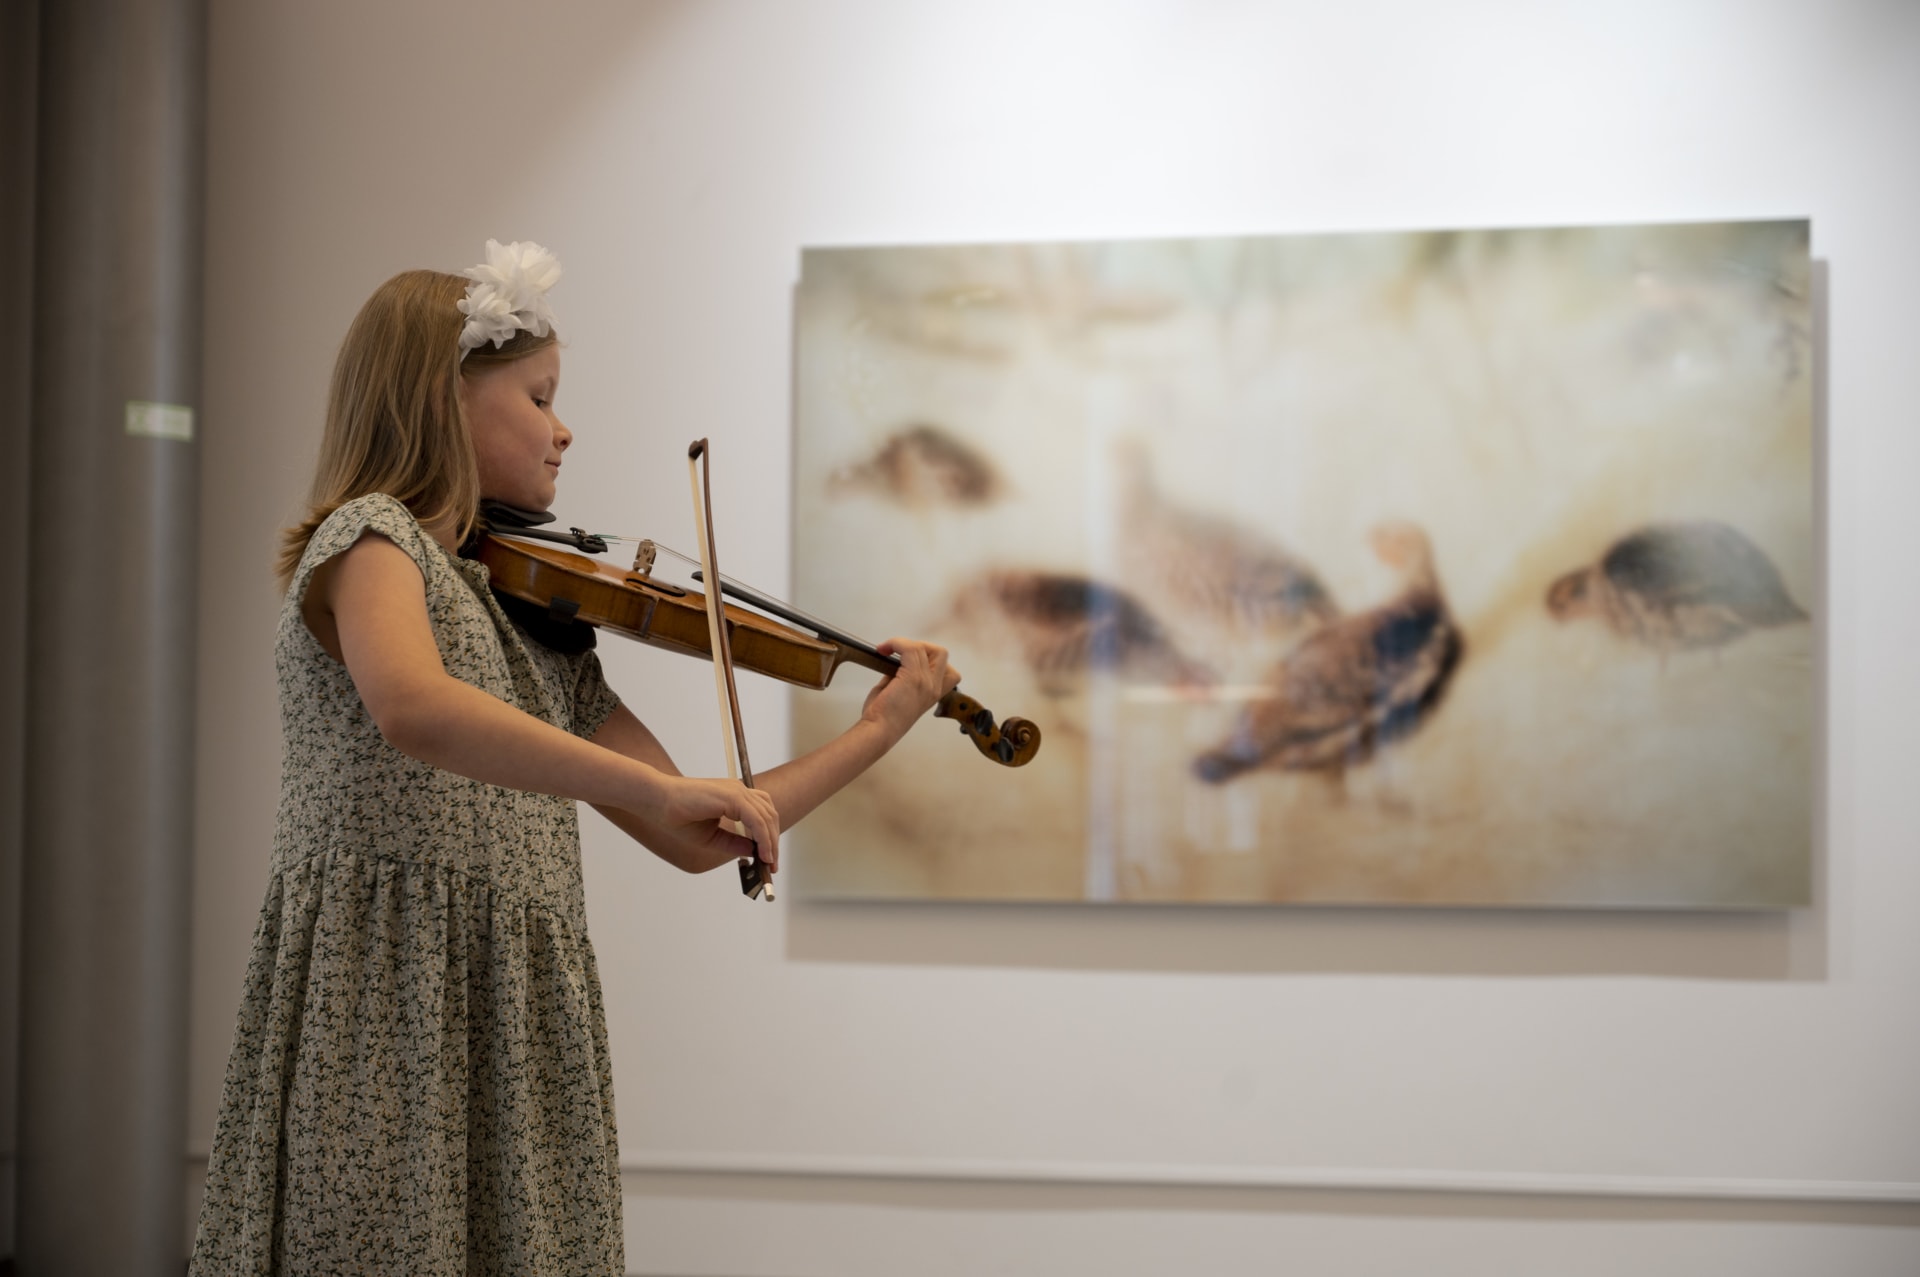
<point>756,598</point>
<point>695,564</point>
<point>688,559</point>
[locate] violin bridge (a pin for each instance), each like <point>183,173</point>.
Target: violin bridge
<point>643,556</point>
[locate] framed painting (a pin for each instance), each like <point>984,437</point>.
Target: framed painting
<point>1446,568</point>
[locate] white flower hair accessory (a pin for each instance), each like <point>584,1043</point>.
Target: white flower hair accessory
<point>508,294</point>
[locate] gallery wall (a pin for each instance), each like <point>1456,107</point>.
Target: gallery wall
<point>1043,1089</point>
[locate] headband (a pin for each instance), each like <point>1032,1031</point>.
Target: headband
<point>508,294</point>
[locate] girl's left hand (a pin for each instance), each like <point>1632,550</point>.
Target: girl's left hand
<point>924,676</point>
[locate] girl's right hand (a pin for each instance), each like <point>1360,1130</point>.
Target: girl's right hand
<point>691,801</point>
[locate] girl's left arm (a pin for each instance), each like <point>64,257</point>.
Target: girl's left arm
<point>799,786</point>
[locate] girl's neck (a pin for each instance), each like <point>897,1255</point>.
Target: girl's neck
<point>443,533</point>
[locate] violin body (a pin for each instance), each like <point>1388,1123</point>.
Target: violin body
<point>574,587</point>
<point>577,588</point>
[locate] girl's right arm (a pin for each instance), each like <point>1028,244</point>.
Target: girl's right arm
<point>370,600</point>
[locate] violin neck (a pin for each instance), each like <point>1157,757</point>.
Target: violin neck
<point>858,653</point>
<point>855,650</point>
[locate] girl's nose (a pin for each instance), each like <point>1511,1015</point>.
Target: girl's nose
<point>562,437</point>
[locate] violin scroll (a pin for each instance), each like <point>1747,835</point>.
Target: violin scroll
<point>1012,743</point>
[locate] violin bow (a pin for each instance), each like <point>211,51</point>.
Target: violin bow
<point>756,879</point>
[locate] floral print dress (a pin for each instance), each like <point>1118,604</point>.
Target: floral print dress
<point>419,1081</point>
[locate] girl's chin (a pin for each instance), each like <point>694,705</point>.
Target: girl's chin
<point>531,502</point>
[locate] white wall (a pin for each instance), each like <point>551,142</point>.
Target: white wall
<point>938,1090</point>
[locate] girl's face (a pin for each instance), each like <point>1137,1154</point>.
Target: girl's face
<point>517,439</point>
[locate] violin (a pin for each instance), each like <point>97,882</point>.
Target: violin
<point>632,603</point>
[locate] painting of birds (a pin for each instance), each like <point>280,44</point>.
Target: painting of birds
<point>1355,684</point>
<point>923,466</point>
<point>1695,584</point>
<point>1286,541</point>
<point>1238,578</point>
<point>1064,626</point>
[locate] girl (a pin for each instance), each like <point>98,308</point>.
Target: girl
<point>419,1081</point>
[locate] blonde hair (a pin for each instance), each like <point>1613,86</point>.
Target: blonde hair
<point>394,422</point>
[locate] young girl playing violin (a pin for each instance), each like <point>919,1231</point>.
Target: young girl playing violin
<point>419,1081</point>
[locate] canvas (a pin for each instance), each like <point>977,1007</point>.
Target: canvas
<point>1448,568</point>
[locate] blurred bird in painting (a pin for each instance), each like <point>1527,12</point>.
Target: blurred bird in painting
<point>1698,584</point>
<point>1357,683</point>
<point>923,466</point>
<point>1064,626</point>
<point>1208,565</point>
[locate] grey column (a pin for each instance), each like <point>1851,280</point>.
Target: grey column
<point>110,638</point>
<point>19,57</point>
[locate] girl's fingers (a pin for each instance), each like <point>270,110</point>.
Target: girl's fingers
<point>760,820</point>
<point>724,805</point>
<point>735,845</point>
<point>926,662</point>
